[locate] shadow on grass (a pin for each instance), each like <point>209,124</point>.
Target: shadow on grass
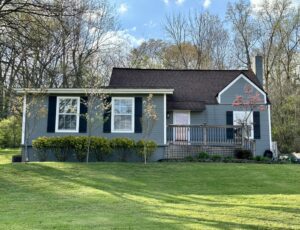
<point>155,189</point>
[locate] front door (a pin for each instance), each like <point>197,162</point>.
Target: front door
<point>181,133</point>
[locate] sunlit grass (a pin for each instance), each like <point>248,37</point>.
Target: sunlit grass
<point>155,196</point>
<point>6,155</point>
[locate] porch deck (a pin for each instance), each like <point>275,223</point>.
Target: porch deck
<point>189,140</point>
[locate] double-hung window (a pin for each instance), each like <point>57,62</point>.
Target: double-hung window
<point>122,114</point>
<point>67,114</point>
<point>246,118</point>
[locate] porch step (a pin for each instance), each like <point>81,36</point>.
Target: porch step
<point>174,151</point>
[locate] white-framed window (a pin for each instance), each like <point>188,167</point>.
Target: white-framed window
<point>67,114</point>
<point>122,120</point>
<point>240,117</point>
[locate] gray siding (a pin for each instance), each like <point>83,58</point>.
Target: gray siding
<point>236,89</point>
<point>37,126</point>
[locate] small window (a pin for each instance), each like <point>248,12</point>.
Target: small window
<point>240,117</point>
<point>67,114</point>
<point>122,115</point>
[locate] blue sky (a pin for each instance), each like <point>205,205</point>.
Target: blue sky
<point>143,18</point>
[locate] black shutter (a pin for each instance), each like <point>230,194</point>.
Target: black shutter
<point>83,113</point>
<point>256,124</point>
<point>138,113</point>
<point>107,116</point>
<point>229,121</point>
<point>51,114</point>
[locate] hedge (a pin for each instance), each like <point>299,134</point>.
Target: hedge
<point>99,147</point>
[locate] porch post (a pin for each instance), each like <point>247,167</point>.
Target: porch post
<point>165,119</point>
<point>205,133</point>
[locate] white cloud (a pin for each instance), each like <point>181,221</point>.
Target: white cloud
<point>257,4</point>
<point>206,3</point>
<point>123,8</point>
<point>179,2</point>
<point>150,24</point>
<point>166,2</point>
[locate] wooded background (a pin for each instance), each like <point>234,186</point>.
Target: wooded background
<point>65,43</point>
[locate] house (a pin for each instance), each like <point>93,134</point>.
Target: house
<point>194,107</point>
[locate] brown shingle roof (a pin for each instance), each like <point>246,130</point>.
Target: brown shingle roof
<point>193,86</point>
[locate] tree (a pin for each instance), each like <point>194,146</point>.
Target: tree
<point>244,28</point>
<point>148,122</point>
<point>248,103</point>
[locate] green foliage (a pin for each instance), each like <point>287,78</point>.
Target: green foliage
<point>40,146</point>
<point>79,145</point>
<point>203,156</point>
<point>61,147</point>
<point>189,159</point>
<point>242,154</point>
<point>216,158</point>
<point>286,124</point>
<point>123,146</point>
<point>100,147</point>
<point>10,132</point>
<point>145,148</point>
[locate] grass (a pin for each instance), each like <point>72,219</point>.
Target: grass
<point>6,155</point>
<point>155,196</point>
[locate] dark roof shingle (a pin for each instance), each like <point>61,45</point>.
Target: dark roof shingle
<point>189,85</point>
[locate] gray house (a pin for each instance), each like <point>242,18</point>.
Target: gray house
<point>194,107</point>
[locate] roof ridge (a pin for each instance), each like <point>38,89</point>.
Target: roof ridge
<point>153,69</point>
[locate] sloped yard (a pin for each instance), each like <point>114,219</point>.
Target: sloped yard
<point>155,196</point>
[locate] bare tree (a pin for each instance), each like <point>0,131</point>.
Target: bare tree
<point>244,28</point>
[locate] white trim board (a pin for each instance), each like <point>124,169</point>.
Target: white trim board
<point>113,115</point>
<point>246,79</point>
<point>165,119</point>
<point>57,115</point>
<point>89,91</point>
<point>24,120</point>
<point>270,127</point>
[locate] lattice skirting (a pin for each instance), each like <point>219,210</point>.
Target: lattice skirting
<point>181,151</point>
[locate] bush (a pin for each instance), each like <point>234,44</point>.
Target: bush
<point>228,159</point>
<point>123,145</point>
<point>145,148</point>
<point>61,146</point>
<point>100,147</point>
<point>261,158</point>
<point>203,156</point>
<point>243,154</point>
<point>216,158</point>
<point>268,154</point>
<point>10,132</point>
<point>79,145</point>
<point>40,145</point>
<point>189,159</point>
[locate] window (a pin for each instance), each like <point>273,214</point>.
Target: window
<point>122,115</point>
<point>239,117</point>
<point>67,114</point>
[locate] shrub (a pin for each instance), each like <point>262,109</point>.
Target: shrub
<point>79,145</point>
<point>216,158</point>
<point>61,146</point>
<point>242,154</point>
<point>100,147</point>
<point>228,159</point>
<point>203,156</point>
<point>268,154</point>
<point>10,132</point>
<point>123,145</point>
<point>189,159</point>
<point>40,145</point>
<point>145,148</point>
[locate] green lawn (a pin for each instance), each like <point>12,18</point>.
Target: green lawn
<point>155,196</point>
<point>6,155</point>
